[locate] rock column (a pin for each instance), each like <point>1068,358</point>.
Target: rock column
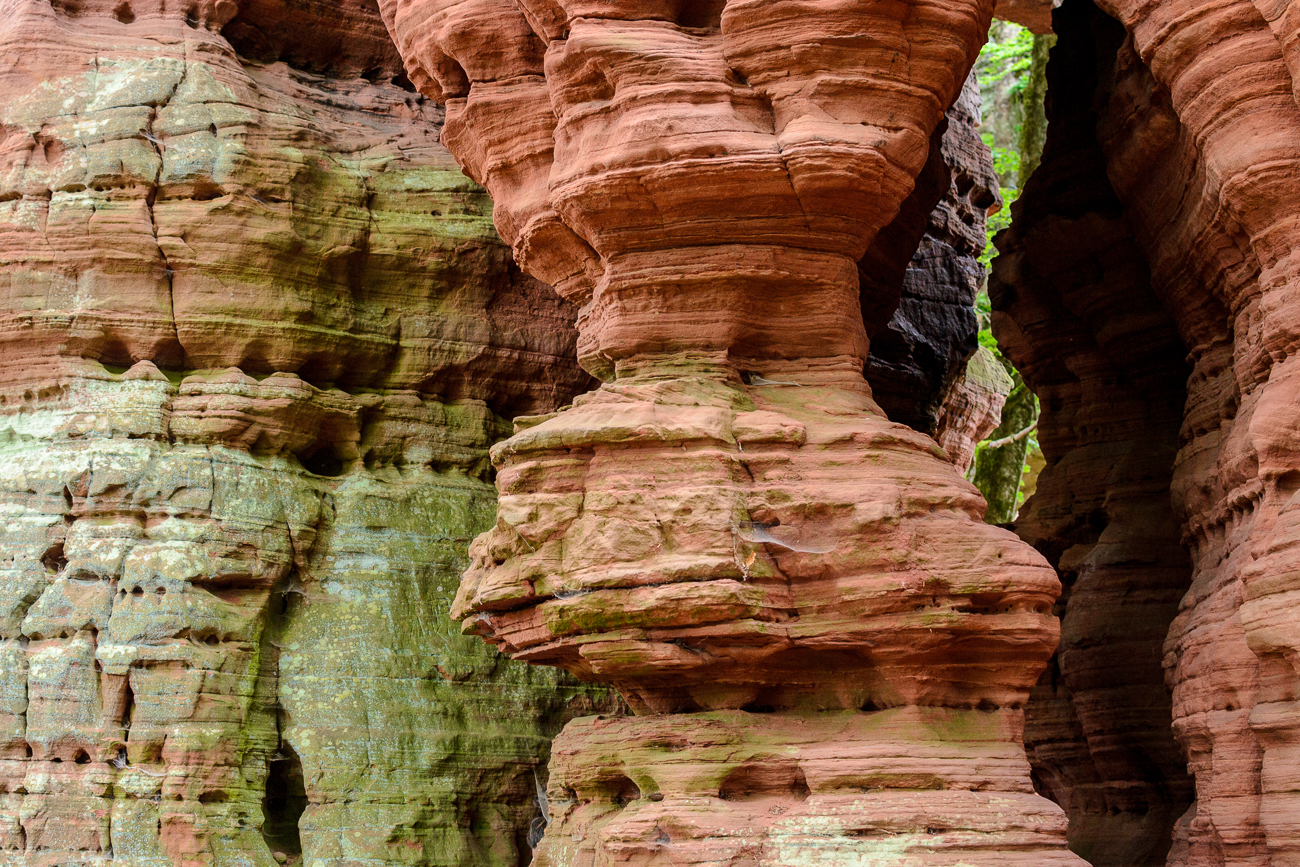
<point>1184,113</point>
<point>826,649</point>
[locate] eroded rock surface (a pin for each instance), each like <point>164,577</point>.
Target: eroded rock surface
<point>258,335</point>
<point>1109,369</point>
<point>729,529</point>
<point>1150,297</point>
<point>919,277</point>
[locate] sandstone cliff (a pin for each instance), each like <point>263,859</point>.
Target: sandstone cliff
<point>796,595</point>
<point>1149,296</point>
<point>267,358</point>
<point>258,334</point>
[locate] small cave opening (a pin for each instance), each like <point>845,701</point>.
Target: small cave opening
<point>284,803</point>
<point>324,462</point>
<point>621,790</point>
<point>54,560</point>
<point>765,779</point>
<point>701,14</point>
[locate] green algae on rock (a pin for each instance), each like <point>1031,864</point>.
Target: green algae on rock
<point>259,336</point>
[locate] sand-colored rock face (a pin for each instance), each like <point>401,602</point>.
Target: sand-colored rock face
<point>1177,163</point>
<point>258,335</point>
<point>729,529</point>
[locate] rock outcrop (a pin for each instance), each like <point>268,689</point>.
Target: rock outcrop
<point>729,529</point>
<point>919,277</point>
<point>259,335</point>
<point>1149,294</point>
<point>1109,369</point>
<point>264,351</point>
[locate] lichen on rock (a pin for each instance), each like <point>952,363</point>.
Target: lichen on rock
<point>260,334</point>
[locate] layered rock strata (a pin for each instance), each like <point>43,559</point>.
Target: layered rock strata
<point>919,277</point>
<point>729,529</point>
<point>259,335</point>
<point>1173,155</point>
<point>1102,353</point>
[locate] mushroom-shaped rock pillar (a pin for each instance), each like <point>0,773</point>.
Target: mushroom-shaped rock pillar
<point>826,648</point>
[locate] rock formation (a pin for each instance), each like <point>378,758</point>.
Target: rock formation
<point>919,312</point>
<point>827,650</point>
<point>264,350</point>
<point>258,335</point>
<point>972,408</point>
<point>1148,294</point>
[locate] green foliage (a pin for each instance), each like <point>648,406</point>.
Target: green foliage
<point>1003,71</point>
<point>1006,56</point>
<point>984,312</point>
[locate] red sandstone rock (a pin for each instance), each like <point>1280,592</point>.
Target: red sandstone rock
<point>730,788</point>
<point>972,407</point>
<point>730,522</point>
<point>1195,124</point>
<point>1033,14</point>
<point>258,334</point>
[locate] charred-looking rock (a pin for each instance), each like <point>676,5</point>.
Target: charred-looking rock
<point>1152,296</point>
<point>258,335</point>
<point>827,649</point>
<point>918,279</point>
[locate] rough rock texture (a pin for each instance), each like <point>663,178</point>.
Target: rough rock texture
<point>1150,296</point>
<point>1033,14</point>
<point>258,335</point>
<point>928,299</point>
<point>972,407</point>
<point>729,529</point>
<point>1107,364</point>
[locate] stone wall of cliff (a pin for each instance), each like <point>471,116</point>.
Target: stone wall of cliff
<point>270,368</point>
<point>1149,294</point>
<point>258,336</point>
<point>826,650</point>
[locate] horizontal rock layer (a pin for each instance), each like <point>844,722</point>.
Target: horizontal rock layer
<point>897,786</point>
<point>1176,162</point>
<point>260,335</point>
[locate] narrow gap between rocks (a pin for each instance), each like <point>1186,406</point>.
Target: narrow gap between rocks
<point>284,804</point>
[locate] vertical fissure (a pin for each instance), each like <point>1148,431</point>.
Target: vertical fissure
<point>284,803</point>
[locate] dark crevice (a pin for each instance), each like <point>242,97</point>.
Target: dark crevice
<point>128,704</point>
<point>323,462</point>
<point>284,803</point>
<point>701,14</point>
<point>54,560</point>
